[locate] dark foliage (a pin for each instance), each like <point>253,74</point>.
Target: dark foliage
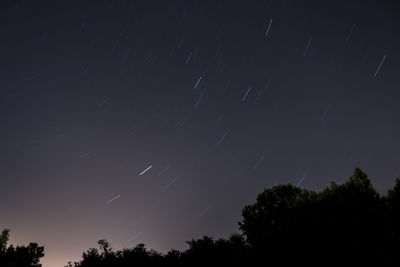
<point>20,256</point>
<point>344,224</point>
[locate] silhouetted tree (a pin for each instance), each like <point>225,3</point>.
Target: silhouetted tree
<point>355,215</point>
<point>345,223</point>
<point>4,239</point>
<point>20,256</point>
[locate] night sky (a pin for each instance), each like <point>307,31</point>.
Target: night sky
<point>157,121</point>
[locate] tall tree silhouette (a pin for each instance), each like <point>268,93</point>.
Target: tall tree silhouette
<point>271,225</point>
<point>345,223</point>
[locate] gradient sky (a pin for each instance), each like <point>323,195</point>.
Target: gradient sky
<point>220,98</point>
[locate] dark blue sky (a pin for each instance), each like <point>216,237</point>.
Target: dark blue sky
<point>220,98</point>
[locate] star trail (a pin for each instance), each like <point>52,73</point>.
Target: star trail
<point>156,121</point>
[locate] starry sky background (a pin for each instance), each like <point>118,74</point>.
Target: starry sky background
<point>220,98</point>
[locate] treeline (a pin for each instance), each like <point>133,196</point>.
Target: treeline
<point>344,224</point>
